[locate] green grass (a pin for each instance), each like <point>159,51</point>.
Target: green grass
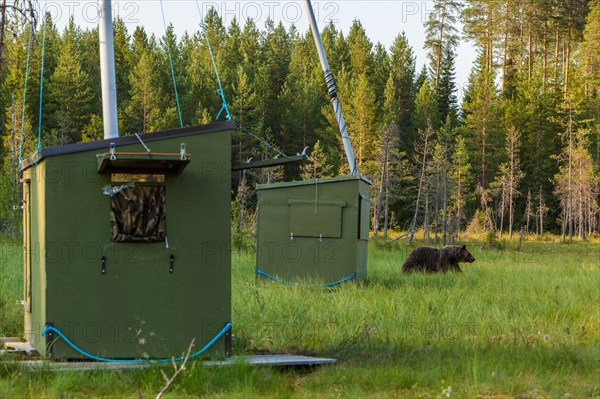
<point>514,324</point>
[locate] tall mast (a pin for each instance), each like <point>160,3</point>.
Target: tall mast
<point>107,71</point>
<point>331,88</point>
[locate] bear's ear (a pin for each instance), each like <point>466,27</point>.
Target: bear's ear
<point>464,247</point>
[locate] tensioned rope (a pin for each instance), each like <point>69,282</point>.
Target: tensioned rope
<point>171,63</point>
<point>220,92</point>
<point>263,141</point>
<point>332,284</point>
<point>52,329</point>
<point>25,96</point>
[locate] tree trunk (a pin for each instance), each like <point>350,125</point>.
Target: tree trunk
<point>380,194</point>
<point>439,50</point>
<point>581,201</point>
<point>541,224</point>
<point>511,182</point>
<point>437,206</point>
<point>568,59</point>
<point>510,214</point>
<point>445,205</point>
<point>502,210</point>
<point>556,63</point>
<point>2,26</point>
<point>13,158</point>
<point>426,218</point>
<point>386,206</point>
<point>530,58</point>
<point>570,203</point>
<point>458,205</point>
<point>564,225</point>
<point>483,145</point>
<point>545,61</point>
<point>490,39</point>
<point>420,189</point>
<point>505,49</point>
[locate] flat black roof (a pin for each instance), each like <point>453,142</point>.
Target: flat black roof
<point>126,140</point>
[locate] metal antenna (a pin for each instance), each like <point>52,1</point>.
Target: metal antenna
<point>331,88</point>
<point>107,71</point>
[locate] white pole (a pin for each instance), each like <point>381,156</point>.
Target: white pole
<point>107,71</point>
<point>331,88</point>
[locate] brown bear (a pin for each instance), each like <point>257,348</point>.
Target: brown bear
<point>434,260</point>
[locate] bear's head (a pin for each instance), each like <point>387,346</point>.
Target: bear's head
<point>464,255</point>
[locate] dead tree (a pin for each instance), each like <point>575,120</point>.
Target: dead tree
<point>425,150</point>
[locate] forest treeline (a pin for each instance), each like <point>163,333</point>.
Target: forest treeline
<point>521,151</point>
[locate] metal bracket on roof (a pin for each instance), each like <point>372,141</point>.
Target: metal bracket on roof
<point>182,151</point>
<point>144,144</point>
<point>303,154</point>
<point>113,151</point>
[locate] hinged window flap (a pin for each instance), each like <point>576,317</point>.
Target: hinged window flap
<point>142,163</point>
<point>319,202</point>
<point>321,219</point>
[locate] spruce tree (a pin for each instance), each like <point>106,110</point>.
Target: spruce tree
<point>69,96</point>
<point>403,69</point>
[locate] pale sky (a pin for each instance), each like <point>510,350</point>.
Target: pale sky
<point>382,20</point>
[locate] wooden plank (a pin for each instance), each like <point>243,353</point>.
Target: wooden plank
<point>4,340</point>
<point>252,360</point>
<point>272,360</point>
<point>24,347</point>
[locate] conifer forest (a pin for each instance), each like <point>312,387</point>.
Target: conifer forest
<point>518,150</point>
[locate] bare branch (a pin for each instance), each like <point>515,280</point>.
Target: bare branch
<point>169,381</point>
<point>28,13</point>
<point>130,380</point>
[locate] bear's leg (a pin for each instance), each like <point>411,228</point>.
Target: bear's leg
<point>456,268</point>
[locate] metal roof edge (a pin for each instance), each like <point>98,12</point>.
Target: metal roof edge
<point>127,140</point>
<point>312,182</point>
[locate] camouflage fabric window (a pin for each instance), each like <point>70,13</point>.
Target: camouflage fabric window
<point>137,214</point>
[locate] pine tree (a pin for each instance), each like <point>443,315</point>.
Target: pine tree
<point>576,183</point>
<point>304,96</point>
<point>319,166</point>
<point>422,159</point>
<point>69,95</point>
<point>461,178</point>
<point>272,75</point>
<point>446,90</point>
<point>143,111</point>
<point>590,49</point>
<point>442,36</point>
<point>361,121</point>
<point>243,109</point>
<point>482,110</point>
<point>425,121</point>
<point>426,108</point>
<point>122,62</point>
<point>403,69</point>
<point>389,161</point>
<point>360,49</point>
<point>513,147</point>
<point>481,19</point>
<point>170,81</point>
